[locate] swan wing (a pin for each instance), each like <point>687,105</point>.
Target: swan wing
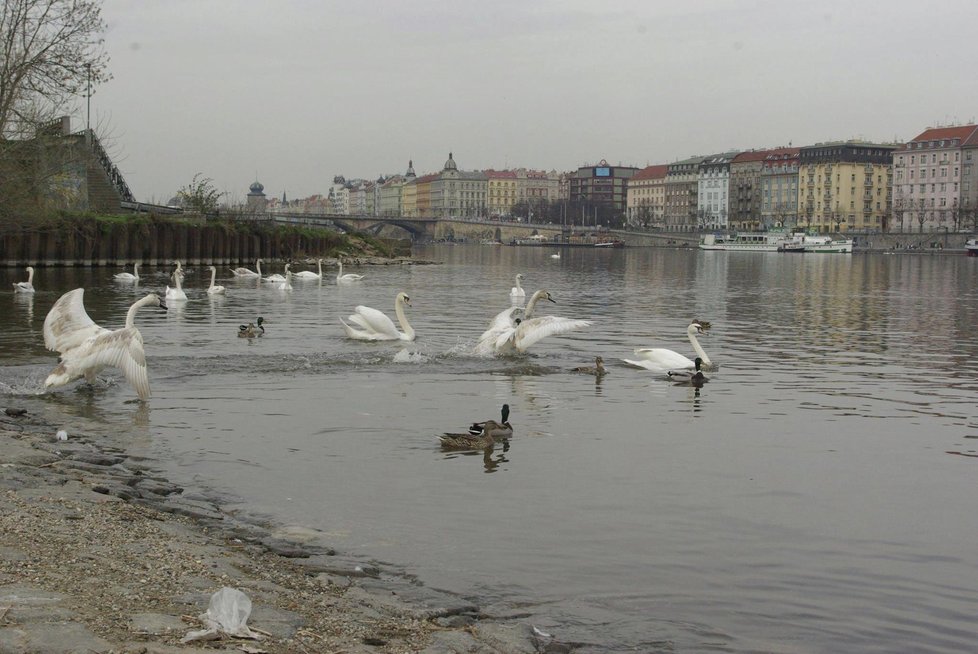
<point>532,330</point>
<point>375,321</point>
<point>306,274</point>
<point>67,325</point>
<point>505,318</point>
<point>122,349</point>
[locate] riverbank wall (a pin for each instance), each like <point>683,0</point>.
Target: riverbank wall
<point>161,242</point>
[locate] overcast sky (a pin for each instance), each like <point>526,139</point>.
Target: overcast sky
<point>296,92</point>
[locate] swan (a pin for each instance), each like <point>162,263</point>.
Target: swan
<point>501,429</point>
<point>86,348</point>
<point>245,272</point>
<point>597,369</point>
<point>507,319</point>
<point>524,332</point>
<point>215,289</point>
<point>276,278</point>
<point>28,286</point>
<point>349,277</point>
<point>373,325</point>
<point>176,294</point>
<point>308,274</point>
<point>286,283</point>
<point>555,255</point>
<point>686,375</point>
<point>517,293</point>
<point>179,271</point>
<point>252,329</point>
<point>662,360</point>
<point>129,277</point>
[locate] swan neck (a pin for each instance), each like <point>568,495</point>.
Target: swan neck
<point>532,304</point>
<point>319,266</point>
<point>340,273</point>
<point>131,314</point>
<point>518,283</point>
<point>699,350</point>
<point>30,276</point>
<point>213,277</point>
<point>402,319</point>
<point>258,267</point>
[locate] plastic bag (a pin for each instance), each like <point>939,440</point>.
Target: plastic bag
<point>227,613</point>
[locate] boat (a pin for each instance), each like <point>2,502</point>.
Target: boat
<point>971,247</point>
<point>816,243</point>
<point>744,241</point>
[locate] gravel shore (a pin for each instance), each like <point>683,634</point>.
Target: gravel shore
<point>100,554</point>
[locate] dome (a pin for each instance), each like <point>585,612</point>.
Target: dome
<point>256,187</point>
<point>450,164</point>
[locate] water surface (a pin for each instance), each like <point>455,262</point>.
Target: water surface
<point>803,500</point>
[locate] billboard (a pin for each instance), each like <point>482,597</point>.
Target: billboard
<point>603,171</point>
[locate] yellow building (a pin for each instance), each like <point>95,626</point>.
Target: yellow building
<point>423,186</point>
<point>844,186</point>
<point>501,191</point>
<point>645,197</point>
<point>409,199</point>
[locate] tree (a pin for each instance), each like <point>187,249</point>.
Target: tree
<point>51,50</point>
<point>200,196</point>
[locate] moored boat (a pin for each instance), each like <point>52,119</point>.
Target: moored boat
<point>971,247</point>
<point>816,243</point>
<point>744,241</point>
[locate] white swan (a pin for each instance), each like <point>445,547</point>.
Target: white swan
<point>517,293</point>
<point>507,319</point>
<point>308,274</point>
<point>179,271</point>
<point>86,348</point>
<point>28,286</point>
<point>129,277</point>
<point>555,255</point>
<point>373,325</point>
<point>241,271</point>
<point>286,283</point>
<point>522,333</point>
<point>215,289</point>
<point>659,359</point>
<point>349,277</point>
<point>276,278</point>
<point>176,294</point>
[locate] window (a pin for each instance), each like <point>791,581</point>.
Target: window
<point>943,202</point>
<point>943,172</point>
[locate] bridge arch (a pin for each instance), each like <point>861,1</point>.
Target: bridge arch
<point>416,230</point>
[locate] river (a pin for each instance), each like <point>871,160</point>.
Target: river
<point>804,499</point>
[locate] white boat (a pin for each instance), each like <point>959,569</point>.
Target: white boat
<point>815,243</point>
<point>971,247</point>
<point>744,242</point>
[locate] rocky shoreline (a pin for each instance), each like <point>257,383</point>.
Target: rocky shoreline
<point>98,553</point>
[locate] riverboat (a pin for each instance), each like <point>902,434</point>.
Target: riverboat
<point>810,243</point>
<point>744,242</point>
<point>971,247</point>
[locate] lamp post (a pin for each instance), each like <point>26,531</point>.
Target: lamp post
<point>88,102</point>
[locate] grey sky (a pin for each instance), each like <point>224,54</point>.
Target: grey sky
<point>300,91</point>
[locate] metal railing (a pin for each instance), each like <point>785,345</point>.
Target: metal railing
<point>113,173</point>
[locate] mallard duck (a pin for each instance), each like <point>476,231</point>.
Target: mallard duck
<point>252,329</point>
<point>597,369</point>
<point>468,441</point>
<point>686,375</point>
<point>501,429</point>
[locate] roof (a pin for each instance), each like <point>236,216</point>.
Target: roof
<point>424,179</point>
<point>651,172</point>
<point>962,132</point>
<point>500,174</point>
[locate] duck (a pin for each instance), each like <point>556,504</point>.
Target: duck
<point>215,289</point>
<point>597,369</point>
<point>129,277</point>
<point>501,429</point>
<point>308,274</point>
<point>252,329</point>
<point>686,375</point>
<point>245,272</point>
<point>86,348</point>
<point>467,441</point>
<point>349,277</point>
<point>28,286</point>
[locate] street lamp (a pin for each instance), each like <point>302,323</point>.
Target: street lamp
<point>88,98</point>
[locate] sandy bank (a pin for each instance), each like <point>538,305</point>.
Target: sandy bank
<point>99,554</point>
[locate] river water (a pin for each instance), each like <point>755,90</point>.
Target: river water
<point>805,499</point>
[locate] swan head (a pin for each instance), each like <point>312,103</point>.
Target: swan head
<point>29,269</point>
<point>519,276</point>
<point>153,297</point>
<point>698,327</point>
<point>403,297</point>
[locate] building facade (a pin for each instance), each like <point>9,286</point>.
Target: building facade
<point>602,184</point>
<point>779,188</point>
<point>458,194</point>
<point>681,187</point>
<point>500,192</point>
<point>713,191</point>
<point>934,183</point>
<point>645,199</point>
<point>845,186</point>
